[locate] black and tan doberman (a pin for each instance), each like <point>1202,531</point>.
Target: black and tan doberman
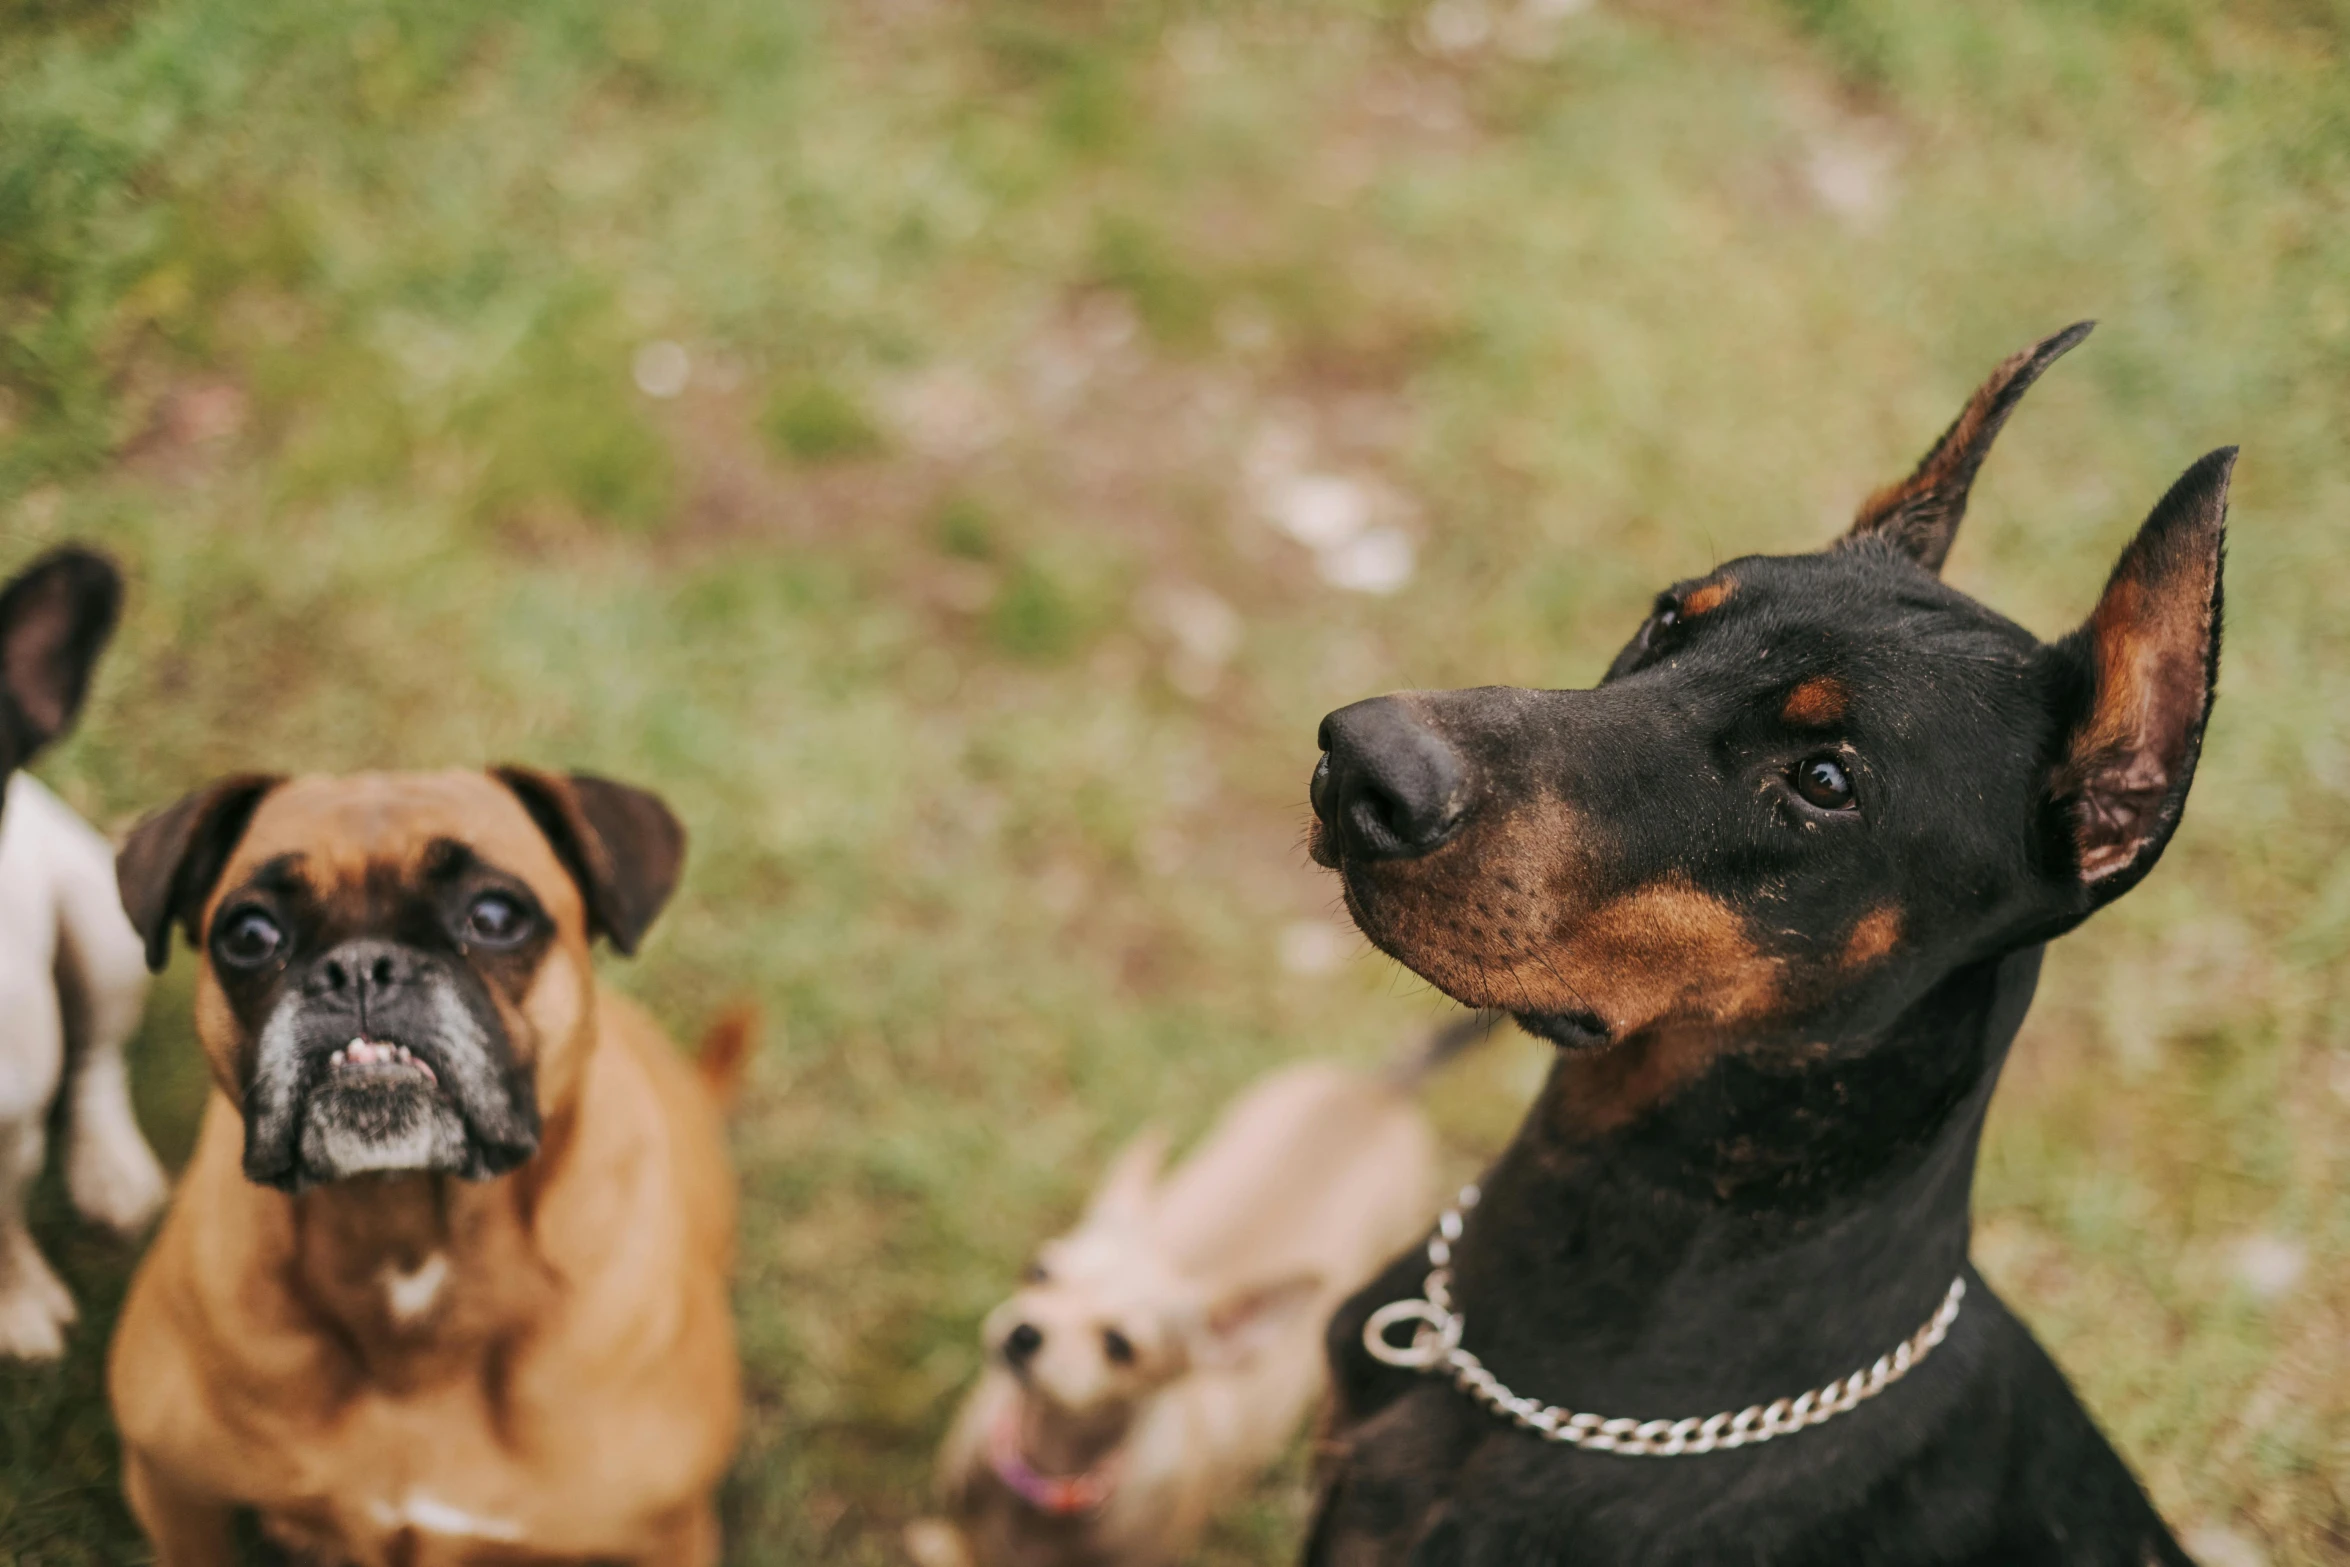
<point>1778,889</point>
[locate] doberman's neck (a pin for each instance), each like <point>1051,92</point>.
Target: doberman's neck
<point>1675,1233</point>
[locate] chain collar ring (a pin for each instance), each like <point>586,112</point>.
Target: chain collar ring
<point>1435,1348</point>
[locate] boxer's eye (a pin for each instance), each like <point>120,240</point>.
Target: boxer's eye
<point>246,938</point>
<point>495,920</point>
<point>1118,1347</point>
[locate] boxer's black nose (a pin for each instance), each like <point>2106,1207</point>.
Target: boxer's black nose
<point>1023,1341</point>
<point>1389,786</point>
<point>375,983</point>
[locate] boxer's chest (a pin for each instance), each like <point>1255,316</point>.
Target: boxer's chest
<point>527,1460</point>
<point>436,1479</point>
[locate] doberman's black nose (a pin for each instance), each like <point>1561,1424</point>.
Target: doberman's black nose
<point>1022,1342</point>
<point>1388,785</point>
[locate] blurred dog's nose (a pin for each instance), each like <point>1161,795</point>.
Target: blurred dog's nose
<point>1388,785</point>
<point>1023,1341</point>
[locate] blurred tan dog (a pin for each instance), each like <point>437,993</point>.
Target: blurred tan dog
<point>1162,1353</point>
<point>446,1279</point>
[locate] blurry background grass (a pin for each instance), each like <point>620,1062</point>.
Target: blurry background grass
<point>957,452</point>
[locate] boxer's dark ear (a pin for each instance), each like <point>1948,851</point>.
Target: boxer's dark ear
<point>54,621</point>
<point>172,860</point>
<point>620,844</point>
<point>1920,515</point>
<point>2148,663</point>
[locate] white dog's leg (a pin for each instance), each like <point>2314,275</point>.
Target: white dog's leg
<point>110,1172</point>
<point>112,1175</point>
<point>34,1305</point>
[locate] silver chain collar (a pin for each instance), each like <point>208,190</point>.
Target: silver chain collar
<point>1436,1348</point>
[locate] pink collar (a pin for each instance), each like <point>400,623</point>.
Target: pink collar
<point>1059,1496</point>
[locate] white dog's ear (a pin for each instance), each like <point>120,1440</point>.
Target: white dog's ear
<point>1130,1188</point>
<point>1248,1321</point>
<point>55,618</point>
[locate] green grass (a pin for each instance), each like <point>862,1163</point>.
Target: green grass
<point>816,422</point>
<point>324,321</point>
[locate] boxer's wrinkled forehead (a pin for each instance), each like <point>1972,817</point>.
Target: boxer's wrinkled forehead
<point>600,857</point>
<point>360,847</point>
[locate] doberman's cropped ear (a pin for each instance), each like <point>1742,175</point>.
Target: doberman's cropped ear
<point>2151,656</point>
<point>173,859</point>
<point>1921,513</point>
<point>55,619</point>
<point>621,845</point>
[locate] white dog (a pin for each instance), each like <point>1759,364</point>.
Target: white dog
<point>73,976</point>
<point>1163,1353</point>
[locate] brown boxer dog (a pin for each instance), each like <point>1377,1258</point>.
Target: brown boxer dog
<point>445,1281</point>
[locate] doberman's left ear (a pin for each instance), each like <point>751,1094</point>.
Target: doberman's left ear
<point>621,845</point>
<point>1921,513</point>
<point>2151,653</point>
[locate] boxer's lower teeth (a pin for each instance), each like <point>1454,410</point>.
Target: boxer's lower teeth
<point>381,1053</point>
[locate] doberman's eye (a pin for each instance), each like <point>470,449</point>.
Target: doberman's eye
<point>1824,782</point>
<point>246,938</point>
<point>496,920</point>
<point>1118,1347</point>
<point>1661,619</point>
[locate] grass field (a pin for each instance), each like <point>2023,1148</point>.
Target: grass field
<point>889,430</point>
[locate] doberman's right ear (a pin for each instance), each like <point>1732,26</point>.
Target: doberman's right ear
<point>173,859</point>
<point>1920,515</point>
<point>2151,657</point>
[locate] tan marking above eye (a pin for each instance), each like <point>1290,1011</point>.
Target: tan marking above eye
<point>1818,701</point>
<point>1707,597</point>
<point>1876,934</point>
